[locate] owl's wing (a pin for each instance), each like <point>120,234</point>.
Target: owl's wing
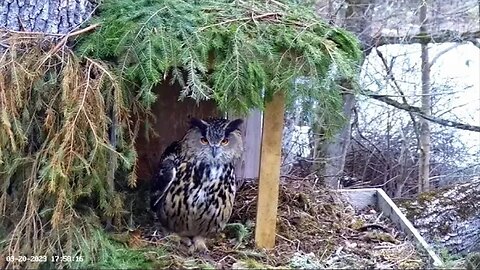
<point>165,174</point>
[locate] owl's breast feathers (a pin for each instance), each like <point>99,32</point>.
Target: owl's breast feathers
<point>199,197</point>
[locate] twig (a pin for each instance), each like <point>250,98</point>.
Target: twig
<point>286,239</point>
<point>30,33</point>
<point>372,226</point>
<point>67,36</point>
<point>241,19</point>
<point>432,62</point>
<point>392,78</point>
<point>282,5</point>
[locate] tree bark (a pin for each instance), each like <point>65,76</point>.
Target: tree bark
<point>336,151</point>
<point>358,20</point>
<point>46,16</point>
<point>448,218</point>
<point>424,144</point>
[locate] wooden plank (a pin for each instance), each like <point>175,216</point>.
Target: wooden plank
<point>390,209</point>
<point>362,198</point>
<point>248,168</point>
<point>270,161</point>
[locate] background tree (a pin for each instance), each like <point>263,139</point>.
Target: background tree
<point>397,24</point>
<point>424,126</point>
<point>357,18</point>
<point>45,16</point>
<point>414,125</point>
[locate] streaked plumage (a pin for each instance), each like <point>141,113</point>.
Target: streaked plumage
<point>194,189</point>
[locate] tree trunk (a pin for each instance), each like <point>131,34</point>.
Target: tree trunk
<point>424,144</point>
<point>448,218</point>
<point>358,19</point>
<point>47,16</point>
<point>336,151</point>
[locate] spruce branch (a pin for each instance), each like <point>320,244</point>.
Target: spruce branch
<point>276,16</point>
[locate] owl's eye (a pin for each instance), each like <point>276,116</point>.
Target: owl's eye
<point>204,140</point>
<point>225,141</point>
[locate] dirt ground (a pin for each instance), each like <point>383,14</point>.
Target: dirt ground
<point>315,229</point>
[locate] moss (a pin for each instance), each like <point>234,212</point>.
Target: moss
<point>253,264</point>
<point>238,231</point>
<point>249,264</point>
<point>357,224</point>
<point>468,207</point>
<point>464,208</point>
<point>427,197</point>
<point>472,261</point>
<point>411,208</point>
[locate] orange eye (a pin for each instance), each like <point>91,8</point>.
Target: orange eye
<point>225,141</point>
<point>204,140</point>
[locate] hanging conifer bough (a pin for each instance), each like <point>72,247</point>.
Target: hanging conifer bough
<point>58,159</point>
<point>230,51</point>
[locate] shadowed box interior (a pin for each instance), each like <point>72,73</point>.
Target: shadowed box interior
<point>170,122</point>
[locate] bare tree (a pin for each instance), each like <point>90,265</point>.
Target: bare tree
<point>378,24</point>
<point>424,126</point>
<point>357,18</point>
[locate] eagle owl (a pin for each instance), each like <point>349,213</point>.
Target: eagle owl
<point>193,191</point>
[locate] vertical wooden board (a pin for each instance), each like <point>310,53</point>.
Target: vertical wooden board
<point>270,161</point>
<point>248,166</point>
<point>253,136</point>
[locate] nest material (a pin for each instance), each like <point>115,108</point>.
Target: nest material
<point>314,229</point>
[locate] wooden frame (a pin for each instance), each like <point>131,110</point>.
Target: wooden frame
<point>365,197</point>
<point>270,161</point>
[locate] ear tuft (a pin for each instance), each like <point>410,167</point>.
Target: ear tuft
<point>199,123</point>
<point>233,125</point>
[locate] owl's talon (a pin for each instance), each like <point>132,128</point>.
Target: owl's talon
<point>198,246</point>
<point>187,241</point>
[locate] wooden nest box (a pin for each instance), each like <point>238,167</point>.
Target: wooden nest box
<point>262,156</point>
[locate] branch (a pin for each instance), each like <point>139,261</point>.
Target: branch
<point>399,90</point>
<point>75,33</point>
<point>424,38</point>
<point>432,62</point>
<point>276,15</point>
<point>418,111</point>
<point>475,42</point>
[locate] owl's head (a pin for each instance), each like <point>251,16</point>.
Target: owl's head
<point>214,140</point>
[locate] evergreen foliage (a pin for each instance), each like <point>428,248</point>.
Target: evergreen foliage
<point>65,117</point>
<point>229,51</point>
<point>57,161</point>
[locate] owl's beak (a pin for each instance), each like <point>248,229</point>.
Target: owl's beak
<point>215,151</point>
